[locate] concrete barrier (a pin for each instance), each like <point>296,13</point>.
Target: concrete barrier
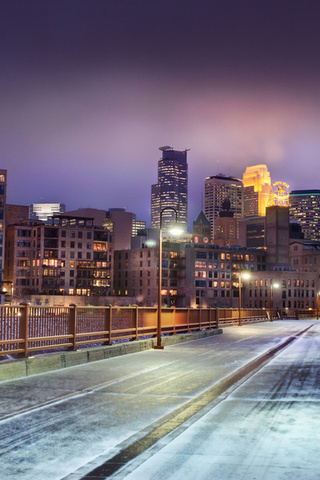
<point>11,368</point>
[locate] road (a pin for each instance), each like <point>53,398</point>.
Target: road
<point>241,405</point>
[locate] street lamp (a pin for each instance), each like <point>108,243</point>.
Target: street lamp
<point>242,275</point>
<point>272,286</point>
<point>175,231</point>
<point>317,300</point>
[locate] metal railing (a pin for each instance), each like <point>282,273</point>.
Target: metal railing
<point>25,328</point>
<point>306,313</point>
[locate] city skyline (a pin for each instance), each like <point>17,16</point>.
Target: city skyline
<point>91,90</point>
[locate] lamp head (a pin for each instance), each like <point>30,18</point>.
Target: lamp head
<point>245,275</point>
<point>176,230</point>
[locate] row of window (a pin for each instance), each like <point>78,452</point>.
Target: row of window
<point>212,284</point>
<point>225,256</point>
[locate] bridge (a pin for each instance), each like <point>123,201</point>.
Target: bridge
<point>243,404</point>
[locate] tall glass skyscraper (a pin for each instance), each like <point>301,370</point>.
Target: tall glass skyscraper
<point>217,189</point>
<point>305,208</point>
<point>171,189</point>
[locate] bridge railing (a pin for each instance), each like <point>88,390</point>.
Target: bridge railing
<point>26,328</point>
<point>306,313</point>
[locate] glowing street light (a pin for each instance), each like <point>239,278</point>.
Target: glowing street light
<point>317,300</point>
<point>176,231</point>
<point>242,275</point>
<point>272,286</point>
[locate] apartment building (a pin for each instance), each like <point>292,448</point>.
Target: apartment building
<point>192,275</point>
<point>136,274</point>
<point>305,256</point>
<point>282,289</point>
<point>69,257</point>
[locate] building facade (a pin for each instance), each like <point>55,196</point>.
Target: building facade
<point>305,256</point>
<point>136,274</point>
<point>16,213</point>
<point>70,257</point>
<point>201,230</point>
<point>122,225</point>
<point>285,290</point>
<point>305,208</point>
<point>171,191</point>
<point>258,193</point>
<point>218,189</point>
<point>192,275</point>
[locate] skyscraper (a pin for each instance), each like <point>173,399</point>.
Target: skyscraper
<point>171,189</point>
<point>305,208</point>
<point>217,189</point>
<point>257,191</point>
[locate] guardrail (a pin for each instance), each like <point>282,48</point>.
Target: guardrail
<point>26,328</point>
<point>306,313</point>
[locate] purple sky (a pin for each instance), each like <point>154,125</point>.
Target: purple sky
<point>90,90</point>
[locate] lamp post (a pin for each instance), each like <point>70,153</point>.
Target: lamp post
<point>317,300</point>
<point>241,276</point>
<point>158,345</point>
<point>272,286</point>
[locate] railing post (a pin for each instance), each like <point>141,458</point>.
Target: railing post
<point>24,311</point>
<point>200,317</point>
<point>106,324</point>
<point>135,313</point>
<point>188,319</point>
<point>73,325</point>
<point>174,320</point>
<point>110,324</point>
<point>217,317</point>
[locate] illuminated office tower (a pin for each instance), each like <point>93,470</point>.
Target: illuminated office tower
<point>217,190</point>
<point>257,191</point>
<point>44,211</point>
<point>171,189</point>
<point>3,196</point>
<point>305,208</point>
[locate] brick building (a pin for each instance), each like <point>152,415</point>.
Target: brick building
<point>69,257</point>
<point>192,275</point>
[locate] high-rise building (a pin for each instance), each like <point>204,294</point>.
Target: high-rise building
<point>171,189</point>
<point>137,225</point>
<point>44,211</point>
<point>3,196</point>
<point>217,189</point>
<point>305,208</point>
<point>277,236</point>
<point>257,191</point>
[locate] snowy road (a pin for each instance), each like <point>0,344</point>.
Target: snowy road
<point>66,424</point>
<point>267,429</point>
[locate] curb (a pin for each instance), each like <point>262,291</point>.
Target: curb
<point>24,367</point>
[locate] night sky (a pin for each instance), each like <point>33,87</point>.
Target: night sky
<point>90,90</point>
